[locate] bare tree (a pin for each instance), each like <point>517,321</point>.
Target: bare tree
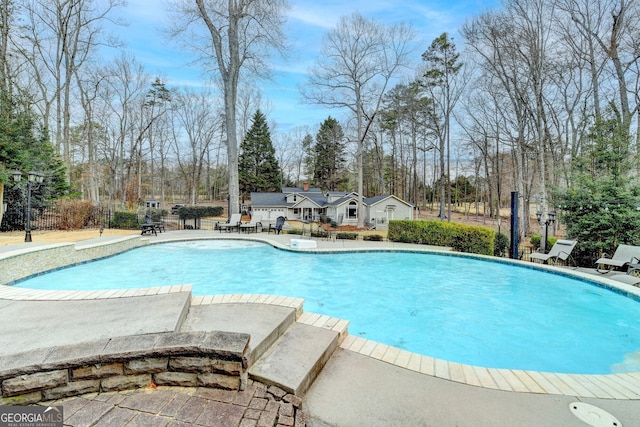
<point>155,106</point>
<point>407,112</point>
<point>63,34</point>
<point>6,24</point>
<point>359,59</point>
<point>122,100</point>
<point>6,13</point>
<point>518,72</point>
<point>291,149</point>
<point>88,90</point>
<point>609,28</point>
<point>197,120</point>
<point>232,40</point>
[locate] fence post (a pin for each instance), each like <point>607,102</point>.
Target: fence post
<point>514,225</point>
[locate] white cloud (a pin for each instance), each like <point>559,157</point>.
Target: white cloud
<point>308,22</point>
<point>316,16</point>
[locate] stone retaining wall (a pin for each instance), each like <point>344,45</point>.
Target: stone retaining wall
<point>35,260</point>
<point>203,359</point>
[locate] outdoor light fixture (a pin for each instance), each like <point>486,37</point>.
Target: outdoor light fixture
<point>34,179</point>
<point>551,218</point>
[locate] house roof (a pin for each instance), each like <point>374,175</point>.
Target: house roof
<point>269,200</point>
<point>341,200</point>
<point>289,190</point>
<point>377,199</point>
<point>319,199</point>
<point>280,199</point>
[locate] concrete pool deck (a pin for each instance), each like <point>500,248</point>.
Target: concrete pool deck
<point>363,382</point>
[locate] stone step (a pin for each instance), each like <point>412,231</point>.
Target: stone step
<point>296,359</point>
<point>264,322</point>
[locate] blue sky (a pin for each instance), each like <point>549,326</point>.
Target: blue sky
<point>308,22</point>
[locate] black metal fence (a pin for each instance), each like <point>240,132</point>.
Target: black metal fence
<point>52,218</point>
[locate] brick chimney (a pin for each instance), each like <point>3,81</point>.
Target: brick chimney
<point>305,186</point>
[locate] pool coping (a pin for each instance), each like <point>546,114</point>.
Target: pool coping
<point>624,386</point>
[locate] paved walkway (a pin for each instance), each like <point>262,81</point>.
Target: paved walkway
<point>257,405</point>
<point>353,389</point>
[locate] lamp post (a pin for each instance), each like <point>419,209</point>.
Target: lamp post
<point>33,182</point>
<point>551,218</point>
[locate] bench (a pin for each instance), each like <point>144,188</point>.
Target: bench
<point>152,228</point>
<point>148,228</point>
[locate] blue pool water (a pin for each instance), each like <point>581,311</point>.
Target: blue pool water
<point>455,308</point>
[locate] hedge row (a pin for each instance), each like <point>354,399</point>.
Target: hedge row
<point>188,212</point>
<point>125,220</point>
<point>462,238</point>
<point>129,220</point>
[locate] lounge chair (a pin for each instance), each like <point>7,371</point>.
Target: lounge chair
<point>631,278</point>
<point>253,224</point>
<point>627,279</point>
<point>278,226</point>
<point>234,222</point>
<point>622,257</point>
<point>561,250</point>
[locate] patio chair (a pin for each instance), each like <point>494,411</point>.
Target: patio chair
<point>561,250</point>
<point>234,222</point>
<point>277,228</point>
<point>253,224</point>
<point>622,257</point>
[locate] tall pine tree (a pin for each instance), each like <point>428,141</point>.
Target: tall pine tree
<point>258,167</point>
<point>309,156</point>
<point>329,155</point>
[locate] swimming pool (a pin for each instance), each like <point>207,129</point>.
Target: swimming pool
<point>460,309</point>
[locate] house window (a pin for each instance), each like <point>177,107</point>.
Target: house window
<point>352,210</point>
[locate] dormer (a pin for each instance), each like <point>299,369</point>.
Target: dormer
<point>294,197</point>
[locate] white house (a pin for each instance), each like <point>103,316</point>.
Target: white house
<point>309,203</point>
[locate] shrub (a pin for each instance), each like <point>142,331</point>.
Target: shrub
<point>472,239</point>
<point>320,233</point>
<point>74,214</point>
<point>156,214</point>
<point>347,236</point>
<point>373,237</point>
<point>296,231</point>
<point>126,220</point>
<point>535,241</point>
<point>463,238</point>
<point>501,247</point>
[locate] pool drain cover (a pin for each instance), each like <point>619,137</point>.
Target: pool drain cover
<point>593,415</point>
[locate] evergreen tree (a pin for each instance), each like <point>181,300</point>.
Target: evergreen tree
<point>258,167</point>
<point>600,210</point>
<point>442,61</point>
<point>25,146</point>
<point>309,158</point>
<point>329,155</point>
